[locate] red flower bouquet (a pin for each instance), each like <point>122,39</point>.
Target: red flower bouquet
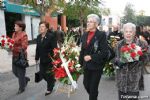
<point>6,42</point>
<point>130,53</point>
<point>67,56</point>
<point>66,67</point>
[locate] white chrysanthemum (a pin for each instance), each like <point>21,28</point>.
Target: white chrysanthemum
<point>77,66</point>
<point>77,58</point>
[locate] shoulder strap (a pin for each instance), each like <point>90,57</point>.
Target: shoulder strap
<point>118,47</point>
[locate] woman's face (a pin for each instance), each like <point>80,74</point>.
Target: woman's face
<point>17,28</point>
<point>42,28</point>
<point>129,34</point>
<point>91,24</point>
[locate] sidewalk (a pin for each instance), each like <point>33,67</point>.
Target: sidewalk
<point>6,59</point>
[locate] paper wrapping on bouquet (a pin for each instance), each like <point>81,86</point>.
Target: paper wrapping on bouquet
<point>73,83</point>
<point>65,88</point>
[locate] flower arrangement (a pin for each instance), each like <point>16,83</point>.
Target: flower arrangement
<point>109,70</point>
<point>130,53</point>
<point>66,63</point>
<point>6,42</point>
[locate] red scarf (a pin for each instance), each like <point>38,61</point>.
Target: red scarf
<point>90,36</point>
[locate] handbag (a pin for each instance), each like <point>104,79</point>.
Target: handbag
<point>111,53</point>
<point>38,76</point>
<point>21,61</point>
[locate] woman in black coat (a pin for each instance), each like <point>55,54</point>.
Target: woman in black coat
<point>46,42</point>
<point>94,49</point>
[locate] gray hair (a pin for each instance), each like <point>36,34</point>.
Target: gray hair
<point>94,16</point>
<point>131,25</point>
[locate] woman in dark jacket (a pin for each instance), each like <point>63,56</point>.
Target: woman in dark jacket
<point>46,42</point>
<point>20,42</point>
<point>94,49</point>
<point>128,74</point>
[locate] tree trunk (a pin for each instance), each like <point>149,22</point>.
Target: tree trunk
<point>42,17</point>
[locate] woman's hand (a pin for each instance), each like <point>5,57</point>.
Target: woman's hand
<point>87,58</point>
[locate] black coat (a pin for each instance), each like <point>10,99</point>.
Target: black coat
<point>97,49</point>
<point>44,48</point>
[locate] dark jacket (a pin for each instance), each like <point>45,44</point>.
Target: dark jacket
<point>97,49</point>
<point>44,48</point>
<point>129,74</point>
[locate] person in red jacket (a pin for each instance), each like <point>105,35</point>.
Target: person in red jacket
<point>20,43</point>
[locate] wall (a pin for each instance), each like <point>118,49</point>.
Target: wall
<point>2,23</point>
<point>27,20</point>
<point>52,21</point>
<point>35,26</point>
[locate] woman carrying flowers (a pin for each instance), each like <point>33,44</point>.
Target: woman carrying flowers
<point>20,43</point>
<point>129,53</point>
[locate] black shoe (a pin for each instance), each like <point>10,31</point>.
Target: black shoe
<point>27,80</point>
<point>141,88</point>
<point>47,93</point>
<point>20,91</point>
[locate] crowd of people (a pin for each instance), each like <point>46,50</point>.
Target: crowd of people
<point>93,55</point>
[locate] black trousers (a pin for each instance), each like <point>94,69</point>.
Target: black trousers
<point>20,74</point>
<point>91,82</point>
<point>128,95</point>
<point>47,75</point>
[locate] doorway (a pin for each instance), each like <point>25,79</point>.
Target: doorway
<point>10,19</point>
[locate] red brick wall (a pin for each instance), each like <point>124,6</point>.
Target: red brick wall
<point>63,23</point>
<point>52,21</point>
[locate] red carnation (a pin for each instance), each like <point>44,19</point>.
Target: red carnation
<point>128,49</point>
<point>10,46</point>
<point>140,53</point>
<point>133,46</point>
<point>12,41</point>
<point>71,63</point>
<point>55,50</point>
<point>71,69</point>
<point>9,40</point>
<point>3,36</point>
<point>56,62</point>
<point>123,49</point>
<point>3,44</point>
<point>60,73</point>
<point>133,54</point>
<point>3,41</point>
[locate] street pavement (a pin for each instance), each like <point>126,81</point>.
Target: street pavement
<point>35,91</point>
<point>6,58</point>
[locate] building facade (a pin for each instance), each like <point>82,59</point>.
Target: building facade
<point>12,10</point>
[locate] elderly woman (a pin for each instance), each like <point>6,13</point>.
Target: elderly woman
<point>129,72</point>
<point>93,52</point>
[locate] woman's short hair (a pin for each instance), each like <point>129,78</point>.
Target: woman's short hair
<point>94,16</point>
<point>21,24</point>
<point>130,25</point>
<point>45,23</point>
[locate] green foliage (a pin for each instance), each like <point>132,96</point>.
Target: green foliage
<point>108,69</point>
<point>129,14</point>
<point>48,5</point>
<point>79,9</point>
<point>143,20</point>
